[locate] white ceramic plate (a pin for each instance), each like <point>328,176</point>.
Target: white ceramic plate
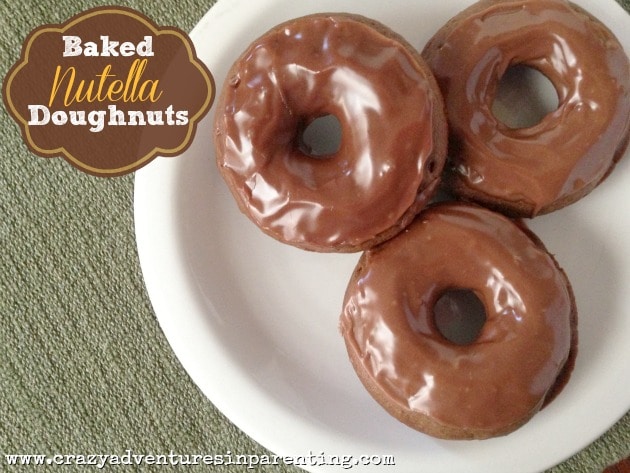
<point>254,322</point>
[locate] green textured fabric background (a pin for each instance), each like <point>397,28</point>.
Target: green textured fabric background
<point>84,366</point>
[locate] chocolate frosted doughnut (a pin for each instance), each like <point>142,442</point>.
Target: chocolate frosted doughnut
<point>393,132</point>
<point>534,170</point>
<point>487,387</point>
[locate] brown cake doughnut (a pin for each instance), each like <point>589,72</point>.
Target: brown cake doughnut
<point>534,170</point>
<point>393,132</point>
<point>484,387</point>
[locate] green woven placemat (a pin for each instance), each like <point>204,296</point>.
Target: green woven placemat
<point>84,366</point>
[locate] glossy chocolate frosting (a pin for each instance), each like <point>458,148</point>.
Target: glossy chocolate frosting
<point>490,386</point>
<point>538,169</point>
<point>393,132</point>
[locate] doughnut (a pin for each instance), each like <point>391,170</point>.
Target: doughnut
<point>524,172</point>
<point>490,384</point>
<point>391,118</point>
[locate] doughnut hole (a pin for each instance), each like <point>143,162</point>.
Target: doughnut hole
<point>459,316</point>
<point>524,97</point>
<point>321,137</point>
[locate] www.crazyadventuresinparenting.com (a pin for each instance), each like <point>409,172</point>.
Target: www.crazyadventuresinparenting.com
<point>251,461</point>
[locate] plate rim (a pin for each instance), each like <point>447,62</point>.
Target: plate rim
<point>144,217</point>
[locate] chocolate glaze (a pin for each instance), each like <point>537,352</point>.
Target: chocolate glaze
<point>482,389</point>
<point>531,170</point>
<point>389,160</point>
